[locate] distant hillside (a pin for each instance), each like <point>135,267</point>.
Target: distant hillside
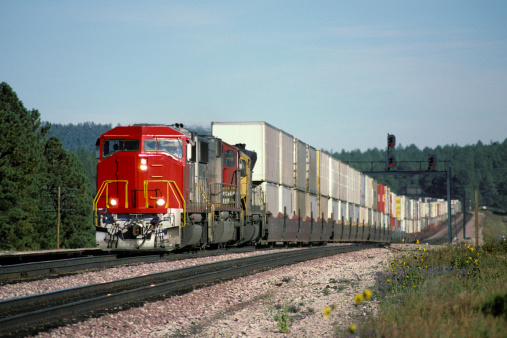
<point>78,136</point>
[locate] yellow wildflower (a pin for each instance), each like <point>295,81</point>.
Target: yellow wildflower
<point>367,294</point>
<point>358,298</point>
<point>327,312</point>
<point>388,280</point>
<point>471,249</point>
<point>352,328</point>
<point>417,242</point>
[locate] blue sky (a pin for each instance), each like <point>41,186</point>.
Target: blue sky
<point>335,74</point>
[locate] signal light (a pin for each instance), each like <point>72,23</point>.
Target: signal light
<point>432,162</point>
<point>391,163</point>
<point>391,142</point>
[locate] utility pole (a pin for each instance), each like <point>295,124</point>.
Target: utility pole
<point>58,220</point>
<point>464,214</point>
<point>476,217</point>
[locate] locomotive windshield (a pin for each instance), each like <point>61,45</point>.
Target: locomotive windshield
<point>172,146</point>
<point>112,146</point>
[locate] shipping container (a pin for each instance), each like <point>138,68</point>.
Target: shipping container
<point>363,216</point>
<point>324,208</point>
<point>286,200</point>
<point>392,205</point>
<point>344,182</point>
<point>374,188</point>
<point>311,170</point>
<point>272,195</point>
<point>381,198</point>
<point>335,209</point>
<point>355,197</point>
<point>300,203</point>
<point>366,191</point>
<point>323,173</point>
<point>334,178</point>
<point>286,159</point>
<point>400,207</point>
<point>300,164</point>
<point>312,210</point>
<point>260,137</point>
<point>345,216</point>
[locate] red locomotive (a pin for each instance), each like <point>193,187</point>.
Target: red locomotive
<point>164,187</point>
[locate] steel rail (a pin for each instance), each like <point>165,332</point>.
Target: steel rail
<point>37,270</point>
<point>30,271</point>
<point>44,310</point>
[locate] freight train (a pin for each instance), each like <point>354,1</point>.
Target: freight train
<point>164,187</point>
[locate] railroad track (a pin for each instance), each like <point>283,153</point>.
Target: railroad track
<point>54,268</point>
<point>31,314</point>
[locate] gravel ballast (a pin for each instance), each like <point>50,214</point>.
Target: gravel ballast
<point>247,306</point>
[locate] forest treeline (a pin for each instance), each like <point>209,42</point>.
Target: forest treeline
<point>37,175</point>
<point>39,158</point>
<point>479,166</point>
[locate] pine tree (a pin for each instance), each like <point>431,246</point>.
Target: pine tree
<point>21,142</point>
<point>65,181</point>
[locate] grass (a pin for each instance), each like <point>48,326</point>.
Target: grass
<point>282,314</point>
<point>456,291</point>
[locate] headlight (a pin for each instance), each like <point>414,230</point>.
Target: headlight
<point>160,202</point>
<point>113,202</point>
<point>144,164</point>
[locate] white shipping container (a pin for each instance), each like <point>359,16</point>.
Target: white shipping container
<point>355,197</point>
<point>334,178</point>
<point>344,211</point>
<point>410,209</point>
<point>324,208</point>
<point>363,216</point>
<point>286,200</point>
<point>335,209</point>
<point>392,204</point>
<point>323,173</point>
<point>300,203</point>
<point>433,209</point>
<point>374,193</point>
<point>363,189</point>
<point>311,169</point>
<point>272,196</point>
<point>344,182</point>
<point>300,164</point>
<point>260,137</point>
<point>286,159</point>
<point>312,206</point>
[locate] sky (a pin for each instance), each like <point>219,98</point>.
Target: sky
<point>334,74</point>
